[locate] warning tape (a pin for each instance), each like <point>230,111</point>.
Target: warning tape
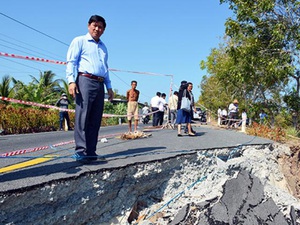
<point>64,63</point>
<point>23,151</point>
<point>34,104</point>
<point>32,58</point>
<point>35,149</point>
<point>57,108</point>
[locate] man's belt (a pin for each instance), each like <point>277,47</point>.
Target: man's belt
<point>91,76</point>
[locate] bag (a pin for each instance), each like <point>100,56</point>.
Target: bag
<point>185,103</point>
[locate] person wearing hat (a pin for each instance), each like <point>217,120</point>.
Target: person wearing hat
<point>63,103</point>
<point>233,112</point>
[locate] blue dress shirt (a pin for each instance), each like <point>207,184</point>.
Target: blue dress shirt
<point>87,56</point>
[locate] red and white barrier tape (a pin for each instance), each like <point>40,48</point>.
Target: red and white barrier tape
<point>32,58</point>
<point>64,63</point>
<point>23,151</point>
<point>35,149</point>
<point>57,108</point>
<point>42,105</point>
<point>34,104</point>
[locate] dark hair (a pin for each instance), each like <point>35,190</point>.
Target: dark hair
<point>163,95</point>
<point>133,81</point>
<point>175,92</point>
<point>183,86</point>
<point>183,82</point>
<point>96,18</point>
<point>158,93</point>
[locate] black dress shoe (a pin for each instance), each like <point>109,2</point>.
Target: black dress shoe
<point>94,157</point>
<point>179,135</point>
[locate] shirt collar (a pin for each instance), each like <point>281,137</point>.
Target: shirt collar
<point>90,38</point>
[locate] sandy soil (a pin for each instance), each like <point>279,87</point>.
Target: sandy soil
<point>291,167</point>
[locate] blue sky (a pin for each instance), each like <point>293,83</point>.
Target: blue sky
<point>162,37</point>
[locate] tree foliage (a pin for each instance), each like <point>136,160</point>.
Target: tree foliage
<point>45,89</point>
<point>5,89</point>
<point>259,59</point>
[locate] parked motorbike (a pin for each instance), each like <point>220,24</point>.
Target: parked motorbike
<point>202,118</point>
<point>145,119</point>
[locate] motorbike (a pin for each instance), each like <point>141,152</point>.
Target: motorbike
<point>145,118</point>
<point>202,117</point>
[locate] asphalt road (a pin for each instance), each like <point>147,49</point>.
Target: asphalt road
<point>161,144</point>
<point>24,141</point>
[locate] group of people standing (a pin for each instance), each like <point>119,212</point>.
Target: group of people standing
<point>232,119</point>
<point>177,115</point>
<point>158,105</point>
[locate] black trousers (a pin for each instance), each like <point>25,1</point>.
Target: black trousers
<point>88,114</point>
<point>233,116</point>
<point>160,117</point>
<point>64,115</point>
<point>155,117</point>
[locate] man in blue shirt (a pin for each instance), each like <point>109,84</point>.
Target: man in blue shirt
<point>262,117</point>
<point>87,73</point>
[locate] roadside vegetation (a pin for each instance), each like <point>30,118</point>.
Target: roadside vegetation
<point>18,118</point>
<point>257,62</point>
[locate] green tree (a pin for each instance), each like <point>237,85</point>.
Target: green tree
<point>46,80</point>
<point>260,57</point>
<point>44,90</point>
<point>118,109</point>
<point>5,88</point>
<point>119,96</point>
<point>221,86</point>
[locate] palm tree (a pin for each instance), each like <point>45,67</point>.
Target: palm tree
<point>5,88</point>
<point>46,79</point>
<point>43,90</point>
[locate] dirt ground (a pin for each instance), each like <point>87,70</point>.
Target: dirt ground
<point>291,167</point>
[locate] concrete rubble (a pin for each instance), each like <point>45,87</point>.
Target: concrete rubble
<point>242,185</point>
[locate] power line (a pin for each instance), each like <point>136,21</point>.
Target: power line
<point>32,46</point>
<point>34,29</point>
<point>21,64</point>
<point>14,48</point>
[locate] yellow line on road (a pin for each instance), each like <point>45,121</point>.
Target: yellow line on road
<point>17,166</point>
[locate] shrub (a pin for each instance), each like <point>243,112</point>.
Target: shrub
<point>277,134</point>
<point>118,109</point>
<point>16,119</point>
